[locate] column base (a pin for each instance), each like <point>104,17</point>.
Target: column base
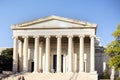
<point>81,71</point>
<point>14,71</point>
<point>46,72</point>
<point>25,70</point>
<point>94,75</point>
<point>35,72</point>
<point>59,72</point>
<point>70,72</point>
<point>112,77</point>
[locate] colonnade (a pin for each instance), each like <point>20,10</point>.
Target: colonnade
<point>38,62</point>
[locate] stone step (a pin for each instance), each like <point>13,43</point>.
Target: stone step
<point>52,76</point>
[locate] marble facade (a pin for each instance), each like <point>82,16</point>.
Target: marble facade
<point>54,44</point>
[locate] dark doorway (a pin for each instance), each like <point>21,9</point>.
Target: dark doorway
<point>55,62</point>
<point>32,66</point>
<point>18,66</point>
<point>61,63</point>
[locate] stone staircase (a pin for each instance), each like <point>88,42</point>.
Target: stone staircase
<point>83,76</point>
<point>51,76</point>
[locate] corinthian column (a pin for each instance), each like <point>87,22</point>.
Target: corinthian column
<point>58,53</point>
<point>70,53</point>
<point>25,53</point>
<point>36,55</point>
<point>81,53</point>
<point>15,55</point>
<point>92,53</point>
<point>47,53</point>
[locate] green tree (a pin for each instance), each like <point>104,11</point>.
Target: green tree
<point>115,61</point>
<point>6,59</point>
<point>113,50</point>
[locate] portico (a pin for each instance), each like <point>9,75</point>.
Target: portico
<point>36,43</point>
<point>38,48</point>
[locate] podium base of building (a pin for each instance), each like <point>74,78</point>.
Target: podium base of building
<point>94,75</point>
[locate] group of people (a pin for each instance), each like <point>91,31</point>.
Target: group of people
<point>21,77</point>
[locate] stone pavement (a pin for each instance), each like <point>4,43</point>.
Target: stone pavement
<point>51,76</point>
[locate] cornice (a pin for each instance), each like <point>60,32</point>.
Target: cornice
<point>29,28</point>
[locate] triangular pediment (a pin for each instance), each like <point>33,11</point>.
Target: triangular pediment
<point>54,22</point>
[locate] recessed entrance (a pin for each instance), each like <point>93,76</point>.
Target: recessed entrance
<point>61,63</point>
<point>55,63</point>
<point>32,66</point>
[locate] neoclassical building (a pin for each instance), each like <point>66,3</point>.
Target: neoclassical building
<point>54,44</point>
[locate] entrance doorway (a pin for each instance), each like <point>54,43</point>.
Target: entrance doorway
<point>32,66</point>
<point>61,63</point>
<point>55,63</point>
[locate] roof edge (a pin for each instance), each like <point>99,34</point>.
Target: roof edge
<point>53,17</point>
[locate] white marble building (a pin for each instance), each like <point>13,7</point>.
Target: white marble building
<point>54,44</point>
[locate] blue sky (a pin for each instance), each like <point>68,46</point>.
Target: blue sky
<point>106,13</point>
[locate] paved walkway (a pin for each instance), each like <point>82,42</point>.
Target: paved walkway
<point>3,76</point>
<point>51,76</point>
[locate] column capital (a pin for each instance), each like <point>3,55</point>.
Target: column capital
<point>81,36</point>
<point>47,36</point>
<point>20,41</point>
<point>14,37</point>
<point>70,36</point>
<point>25,36</point>
<point>58,36</point>
<point>92,36</point>
<point>36,36</point>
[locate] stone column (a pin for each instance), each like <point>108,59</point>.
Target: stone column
<point>25,53</point>
<point>70,53</point>
<point>58,53</point>
<point>75,62</point>
<point>15,54</point>
<point>104,66</point>
<point>44,61</point>
<point>29,59</point>
<point>47,53</point>
<point>92,53</point>
<point>85,62</point>
<point>67,62</point>
<point>40,55</point>
<point>81,53</point>
<point>36,55</point>
<point>21,55</point>
<point>112,76</point>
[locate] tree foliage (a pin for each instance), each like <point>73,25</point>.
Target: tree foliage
<point>115,61</point>
<point>113,50</point>
<point>6,59</point>
<point>105,75</point>
<point>117,32</point>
